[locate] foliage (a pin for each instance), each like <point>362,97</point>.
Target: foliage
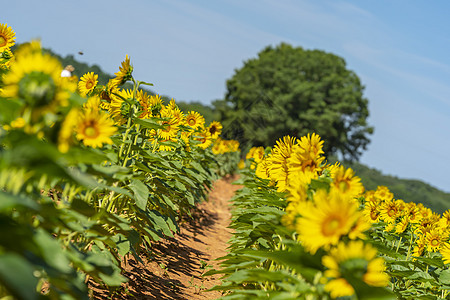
<point>292,91</point>
<point>303,229</point>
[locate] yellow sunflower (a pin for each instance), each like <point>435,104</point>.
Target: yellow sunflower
<point>7,37</point>
<point>372,211</point>
<point>383,193</point>
<point>204,138</point>
<point>67,130</point>
<point>124,73</point>
<point>390,211</point>
<point>434,239</point>
<point>95,128</point>
<point>427,224</point>
<point>215,129</point>
<point>35,78</point>
<point>326,220</point>
<point>262,169</point>
<point>195,120</point>
<point>6,58</point>
<point>445,252</point>
<point>345,182</point>
<point>144,102</point>
<point>401,226</point>
<point>419,248</point>
<point>170,124</point>
<point>353,259</point>
<point>412,212</point>
<point>93,102</point>
<point>445,220</point>
<point>87,83</point>
<point>306,154</point>
<point>278,161</point>
<point>119,109</point>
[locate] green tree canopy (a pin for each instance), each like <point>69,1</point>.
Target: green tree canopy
<point>292,91</point>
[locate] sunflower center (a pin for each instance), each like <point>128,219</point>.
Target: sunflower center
<point>212,130</point>
<point>37,88</point>
<point>89,85</point>
<point>374,214</point>
<point>191,122</point>
<point>330,226</point>
<point>434,243</point>
<point>3,41</point>
<point>392,211</point>
<point>91,132</point>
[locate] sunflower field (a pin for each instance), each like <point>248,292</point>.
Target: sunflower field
<point>306,229</point>
<point>91,174</point>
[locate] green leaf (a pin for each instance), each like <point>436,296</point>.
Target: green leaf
<point>52,251</point>
<point>444,277</point>
<point>122,243</point>
<point>160,224</point>
<point>150,124</point>
<point>141,193</point>
<point>16,275</point>
<point>8,201</point>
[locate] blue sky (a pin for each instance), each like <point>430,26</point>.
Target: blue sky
<point>188,49</point>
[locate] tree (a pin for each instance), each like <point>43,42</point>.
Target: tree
<point>292,91</point>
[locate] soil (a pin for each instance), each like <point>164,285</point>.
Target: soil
<point>176,265</point>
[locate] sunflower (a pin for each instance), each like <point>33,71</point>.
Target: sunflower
<point>144,101</point>
<point>170,124</point>
<point>412,212</point>
<point>7,37</point>
<point>6,58</point>
<point>401,226</point>
<point>124,73</point>
<point>95,128</point>
<point>195,120</point>
<point>383,193</point>
<point>298,185</point>
<point>345,182</point>
<point>87,83</point>
<point>278,166</point>
<point>119,109</point>
<point>67,130</point>
<point>372,211</point>
<point>262,169</point>
<point>390,210</point>
<point>434,239</point>
<point>445,219</point>
<point>93,103</point>
<point>419,248</point>
<point>35,78</point>
<point>327,219</point>
<point>427,224</point>
<point>445,252</point>
<point>204,138</point>
<point>306,154</point>
<point>353,259</point>
<point>215,129</point>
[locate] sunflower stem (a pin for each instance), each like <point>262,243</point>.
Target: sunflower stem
<point>398,245</point>
<point>409,248</point>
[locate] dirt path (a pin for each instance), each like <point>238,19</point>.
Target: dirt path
<point>174,271</point>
